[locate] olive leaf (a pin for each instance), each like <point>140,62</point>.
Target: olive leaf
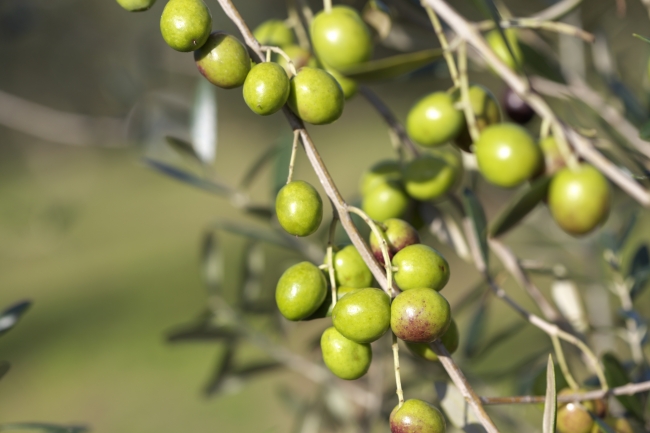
<point>643,38</point>
<point>496,339</point>
<point>257,166</point>
<point>639,270</point>
<point>520,206</point>
<point>49,428</point>
<point>476,214</point>
<point>541,64</point>
<point>550,402</point>
<point>644,132</point>
<point>9,317</point>
<point>203,122</point>
<point>602,425</point>
<point>223,368</point>
<point>616,375</point>
<point>392,67</point>
<point>182,147</point>
<point>212,261</point>
<point>212,186</point>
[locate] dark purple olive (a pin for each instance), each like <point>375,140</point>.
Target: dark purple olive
<point>516,108</point>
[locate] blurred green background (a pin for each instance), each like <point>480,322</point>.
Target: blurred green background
<point>108,250</point>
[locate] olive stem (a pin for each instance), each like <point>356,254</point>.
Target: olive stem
<point>327,6</point>
<point>297,25</point>
<point>444,44</point>
<point>544,128</point>
<point>470,116</point>
<point>292,161</point>
<point>330,257</point>
<point>398,377</point>
<point>559,352</point>
<point>280,51</point>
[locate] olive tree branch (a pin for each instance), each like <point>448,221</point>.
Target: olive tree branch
<point>629,389</point>
<point>556,11</point>
<point>535,23</point>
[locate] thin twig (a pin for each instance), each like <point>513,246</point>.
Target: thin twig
<point>556,11</point>
<point>330,257</point>
<point>280,51</point>
<point>398,377</point>
<point>470,116</point>
<point>449,58</point>
<point>629,389</point>
<point>292,161</point>
<point>533,23</point>
<point>559,353</point>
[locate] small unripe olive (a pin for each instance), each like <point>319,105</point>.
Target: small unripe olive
<point>579,199</point>
<point>348,85</point>
<point>340,37</point>
<point>420,315</point>
<point>398,235</point>
<point>553,160</point>
<point>507,155</point>
<point>516,108</point>
<point>266,88</point>
<point>385,200</point>
<point>299,208</point>
<point>416,416</point>
<point>299,57</point>
<point>450,339</point>
<point>223,60</point>
<point>136,5</point>
<point>274,33</point>
<point>345,358</point>
<point>420,266</point>
<point>573,417</point>
<point>325,309</point>
<point>434,120</point>
<point>382,171</point>
<point>316,97</point>
<point>362,316</point>
<point>350,269</point>
<point>486,112</point>
<point>300,291</point>
<point>185,24</point>
<point>432,176</point>
<point>498,45</point>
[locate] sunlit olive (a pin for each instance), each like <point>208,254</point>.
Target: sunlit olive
<point>299,208</point>
<point>345,358</point>
<point>300,291</point>
<point>416,416</point>
<point>223,60</point>
<point>434,120</point>
<point>185,24</point>
<point>385,200</point>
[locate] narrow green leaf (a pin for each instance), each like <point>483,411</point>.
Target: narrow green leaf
<point>495,16</point>
<point>258,165</point>
<point>266,235</point>
<point>493,341</point>
<point>476,214</point>
<point>212,262</point>
<point>550,403</point>
<point>476,332</point>
<point>540,63</point>
<point>189,178</point>
<point>204,121</point>
<point>626,230</point>
<point>10,317</point>
<point>259,368</point>
<point>616,375</point>
<point>222,370</point>
<point>524,201</point>
<point>602,425</point>
<point>183,147</point>
<point>643,38</point>
<point>392,67</point>
<point>4,368</point>
<point>640,270</point>
<point>50,428</point>
<point>644,132</point>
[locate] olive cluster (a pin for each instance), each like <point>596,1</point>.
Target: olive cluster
<point>576,417</point>
<point>362,314</point>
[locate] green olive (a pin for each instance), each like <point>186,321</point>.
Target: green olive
<point>382,171</point>
<point>299,208</point>
<point>350,269</point>
<point>185,24</point>
<point>266,88</point>
<point>434,120</point>
<point>573,418</point>
<point>325,309</point>
<point>136,5</point>
<point>362,316</point>
<point>432,176</point>
<point>340,37</point>
<point>486,112</point>
<point>316,97</point>
<point>274,33</point>
<point>579,199</point>
<point>223,60</point>
<point>398,235</point>
<point>345,358</point>
<point>420,315</point>
<point>300,291</point>
<point>416,416</point>
<point>420,266</point>
<point>498,45</point>
<point>385,200</point>
<point>348,85</point>
<point>450,339</point>
<point>507,155</point>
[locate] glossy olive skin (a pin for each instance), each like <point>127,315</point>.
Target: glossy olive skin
<point>398,235</point>
<point>553,160</point>
<point>345,358</point>
<point>571,418</point>
<point>450,339</point>
<point>340,38</point>
<point>500,48</point>
<point>266,88</point>
<point>380,172</point>
<point>300,291</point>
<point>185,24</point>
<point>136,5</point>
<point>416,416</point>
<point>434,120</point>
<point>362,316</point>
<point>579,199</point>
<point>432,176</point>
<point>386,200</point>
<point>325,309</point>
<point>299,57</point>
<point>350,269</point>
<point>275,33</point>
<point>299,208</point>
<point>223,60</point>
<point>507,155</point>
<point>486,112</point>
<point>516,109</point>
<point>420,315</point>
<point>316,97</point>
<point>420,266</point>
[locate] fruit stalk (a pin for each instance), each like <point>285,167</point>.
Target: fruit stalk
<point>470,117</point>
<point>398,378</point>
<point>330,258</point>
<point>563,365</point>
<point>292,161</point>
